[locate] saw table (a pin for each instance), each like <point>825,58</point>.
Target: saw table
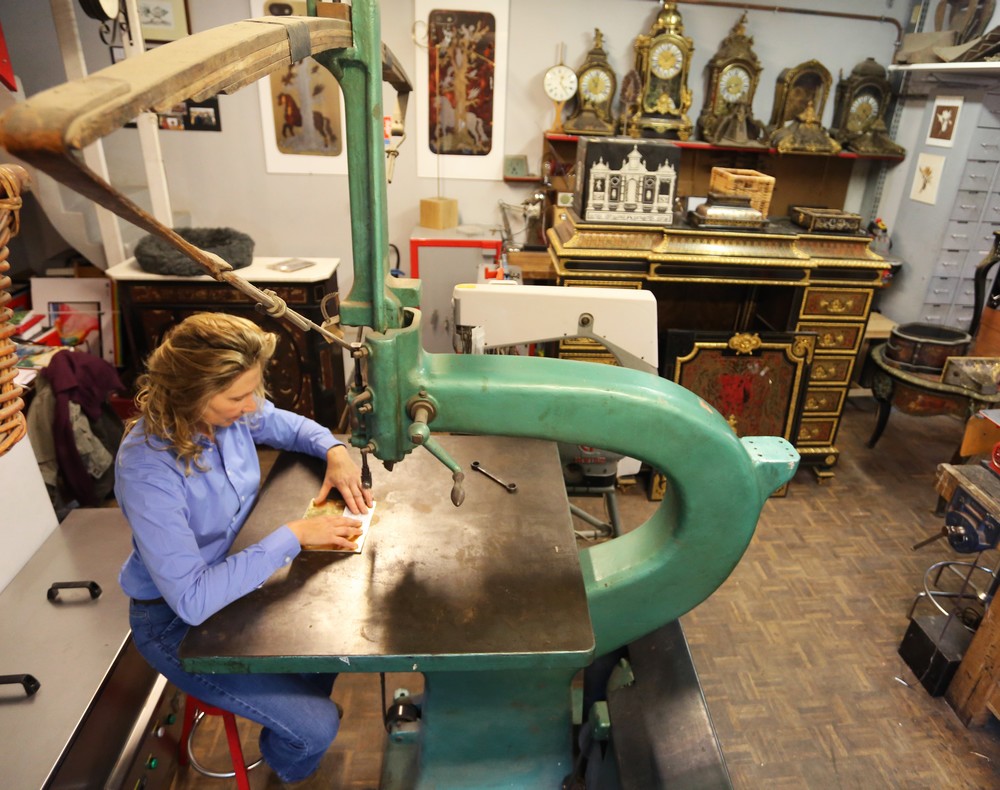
<point>487,600</point>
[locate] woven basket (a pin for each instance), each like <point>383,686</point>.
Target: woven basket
<point>13,180</point>
<point>743,183</point>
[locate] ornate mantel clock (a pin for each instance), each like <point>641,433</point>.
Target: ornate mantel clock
<point>859,111</point>
<point>733,73</point>
<point>596,83</point>
<point>796,120</point>
<point>663,59</point>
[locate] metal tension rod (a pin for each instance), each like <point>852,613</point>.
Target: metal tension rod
<point>887,20</point>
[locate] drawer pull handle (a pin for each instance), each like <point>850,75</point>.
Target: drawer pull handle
<point>976,175</point>
<point>988,145</point>
<point>960,235</point>
<point>93,587</point>
<point>30,683</point>
<point>837,305</point>
<point>967,205</point>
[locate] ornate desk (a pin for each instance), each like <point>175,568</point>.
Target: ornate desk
<point>778,280</point>
<point>923,395</point>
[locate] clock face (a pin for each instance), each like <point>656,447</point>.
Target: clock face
<point>595,86</point>
<point>734,84</point>
<point>666,60</point>
<point>560,83</point>
<point>863,111</point>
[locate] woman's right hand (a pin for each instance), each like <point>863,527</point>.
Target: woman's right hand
<point>326,531</point>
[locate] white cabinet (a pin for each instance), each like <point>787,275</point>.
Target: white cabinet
<point>968,237</point>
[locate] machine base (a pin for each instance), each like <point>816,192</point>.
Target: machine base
<point>932,652</point>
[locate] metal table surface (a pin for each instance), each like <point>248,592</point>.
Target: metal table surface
<point>494,584</point>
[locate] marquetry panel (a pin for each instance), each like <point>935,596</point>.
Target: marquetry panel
<point>834,337</point>
<point>820,400</point>
<point>814,430</point>
<point>831,370</point>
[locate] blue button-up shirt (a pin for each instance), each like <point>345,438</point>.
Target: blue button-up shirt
<point>183,525</point>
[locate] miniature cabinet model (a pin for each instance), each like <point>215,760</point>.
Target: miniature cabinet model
<point>306,374</point>
<point>968,237</point>
<point>780,280</point>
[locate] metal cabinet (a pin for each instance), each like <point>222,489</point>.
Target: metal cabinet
<point>968,237</point>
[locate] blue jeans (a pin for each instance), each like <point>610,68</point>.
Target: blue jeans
<point>300,720</point>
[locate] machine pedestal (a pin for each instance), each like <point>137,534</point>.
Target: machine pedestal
<point>487,730</point>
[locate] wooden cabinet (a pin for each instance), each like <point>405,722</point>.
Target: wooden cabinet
<point>780,280</point>
<point>306,374</point>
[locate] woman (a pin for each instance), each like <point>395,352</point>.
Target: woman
<point>187,475</point>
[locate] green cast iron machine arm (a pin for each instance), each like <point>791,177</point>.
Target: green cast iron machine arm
<point>717,483</point>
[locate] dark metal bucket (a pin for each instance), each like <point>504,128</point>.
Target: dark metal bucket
<point>923,348</point>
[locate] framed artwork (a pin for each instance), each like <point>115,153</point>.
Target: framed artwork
<point>82,311</point>
<point>164,20</point>
<point>756,382</point>
<point>927,178</point>
<point>302,110</point>
<point>944,121</point>
<point>461,88</point>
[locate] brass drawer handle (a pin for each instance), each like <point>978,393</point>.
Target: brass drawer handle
<point>837,305</point>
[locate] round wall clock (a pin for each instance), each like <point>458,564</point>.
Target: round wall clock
<point>663,58</point>
<point>595,93</point>
<point>101,10</point>
<point>560,84</point>
<point>733,73</point>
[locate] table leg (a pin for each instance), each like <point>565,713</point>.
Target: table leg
<point>882,392</point>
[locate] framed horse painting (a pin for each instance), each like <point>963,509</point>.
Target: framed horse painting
<point>302,108</point>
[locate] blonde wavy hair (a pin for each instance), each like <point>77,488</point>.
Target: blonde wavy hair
<point>197,359</point>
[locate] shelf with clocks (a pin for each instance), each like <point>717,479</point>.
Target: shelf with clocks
<point>800,179</point>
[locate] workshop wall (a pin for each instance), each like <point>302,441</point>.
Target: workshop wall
<point>220,178</point>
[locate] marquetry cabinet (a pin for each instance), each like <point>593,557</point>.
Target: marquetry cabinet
<point>306,374</point>
<point>777,280</point>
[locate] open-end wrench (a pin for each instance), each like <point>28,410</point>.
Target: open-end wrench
<point>511,487</point>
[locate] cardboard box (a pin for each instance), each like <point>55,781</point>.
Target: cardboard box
<point>626,180</point>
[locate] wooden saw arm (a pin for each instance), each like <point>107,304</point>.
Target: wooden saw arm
<point>49,130</point>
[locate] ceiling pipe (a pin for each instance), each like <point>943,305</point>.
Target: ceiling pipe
<point>886,20</point>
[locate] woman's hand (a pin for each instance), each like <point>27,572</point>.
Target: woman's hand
<point>334,531</point>
<point>343,474</point>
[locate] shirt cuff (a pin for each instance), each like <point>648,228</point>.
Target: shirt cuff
<point>281,546</point>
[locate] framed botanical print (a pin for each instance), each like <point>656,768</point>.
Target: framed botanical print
<point>164,20</point>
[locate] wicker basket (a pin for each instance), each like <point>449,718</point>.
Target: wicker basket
<point>745,183</point>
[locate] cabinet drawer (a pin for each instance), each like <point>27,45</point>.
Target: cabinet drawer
<point>934,313</point>
<point>977,176</point>
<point>949,263</point>
<point>985,145</point>
<point>212,294</point>
<point>831,370</point>
<point>965,294</point>
<point>834,337</point>
<point>960,315</point>
<point>968,206</point>
<point>989,115</point>
<point>991,213</point>
<point>836,303</point>
<point>941,290</point>
<point>823,401</point>
<point>817,430</point>
<point>958,235</point>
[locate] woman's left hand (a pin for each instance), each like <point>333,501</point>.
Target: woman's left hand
<point>343,474</point>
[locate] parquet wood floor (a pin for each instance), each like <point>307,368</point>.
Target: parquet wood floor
<point>796,651</point>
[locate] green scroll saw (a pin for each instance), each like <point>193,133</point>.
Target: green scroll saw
<point>478,722</point>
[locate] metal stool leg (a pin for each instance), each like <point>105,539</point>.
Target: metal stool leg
<point>194,712</point>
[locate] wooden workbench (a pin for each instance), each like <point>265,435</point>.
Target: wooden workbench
<point>974,691</point>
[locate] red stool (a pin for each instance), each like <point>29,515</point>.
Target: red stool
<point>194,711</point>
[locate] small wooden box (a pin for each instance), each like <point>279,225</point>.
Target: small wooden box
<point>745,183</point>
<point>438,213</point>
